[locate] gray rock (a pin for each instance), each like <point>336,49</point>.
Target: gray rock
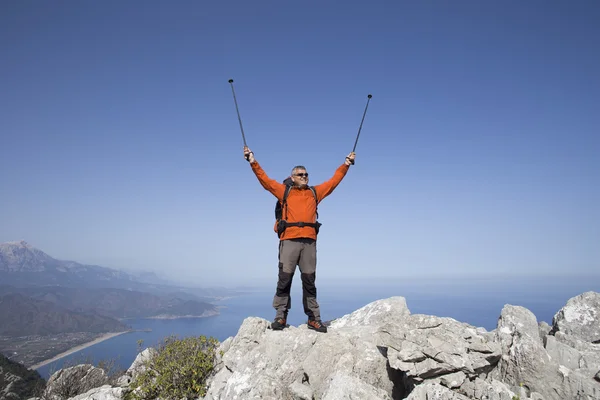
<point>563,354</point>
<point>105,392</point>
<point>589,353</point>
<point>70,382</point>
<point>300,391</point>
<point>544,329</point>
<point>453,381</point>
<point>526,362</point>
<point>259,362</point>
<point>343,387</point>
<point>580,317</point>
<point>138,366</point>
<point>434,391</point>
<point>489,390</point>
<point>392,310</point>
<point>381,351</point>
<point>426,347</point>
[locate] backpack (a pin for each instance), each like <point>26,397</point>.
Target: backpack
<point>283,224</point>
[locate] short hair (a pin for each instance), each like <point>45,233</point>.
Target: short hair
<point>297,167</point>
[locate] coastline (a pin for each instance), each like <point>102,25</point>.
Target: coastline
<point>76,349</point>
<point>169,316</point>
<point>177,316</point>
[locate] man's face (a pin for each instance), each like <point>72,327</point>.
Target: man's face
<point>300,177</point>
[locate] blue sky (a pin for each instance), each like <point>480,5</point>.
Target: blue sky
<point>479,155</point>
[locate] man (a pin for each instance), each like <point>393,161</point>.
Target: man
<point>297,242</point>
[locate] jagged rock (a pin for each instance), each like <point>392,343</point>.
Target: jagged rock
<point>375,314</point>
<point>300,391</point>
<point>105,392</point>
<point>8,380</point>
<point>562,353</point>
<point>72,381</point>
<point>264,363</point>
<point>383,352</point>
<point>137,367</point>
<point>434,391</point>
<point>580,317</point>
<point>426,347</point>
<point>489,390</point>
<point>453,381</point>
<point>544,329</point>
<point>525,362</point>
<point>340,386</point>
<point>570,347</point>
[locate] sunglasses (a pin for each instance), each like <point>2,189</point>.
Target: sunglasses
<point>302,175</point>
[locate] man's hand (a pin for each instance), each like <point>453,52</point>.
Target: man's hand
<point>350,158</point>
<point>248,154</point>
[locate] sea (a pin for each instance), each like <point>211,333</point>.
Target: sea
<point>476,301</point>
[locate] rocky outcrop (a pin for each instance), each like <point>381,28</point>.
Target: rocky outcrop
<point>383,352</point>
<point>137,367</point>
<point>580,318</point>
<point>17,381</point>
<point>73,381</point>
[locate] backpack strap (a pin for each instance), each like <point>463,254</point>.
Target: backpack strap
<point>312,189</point>
<point>284,200</point>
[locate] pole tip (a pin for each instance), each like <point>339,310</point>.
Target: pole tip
<point>369,96</point>
<point>231,81</point>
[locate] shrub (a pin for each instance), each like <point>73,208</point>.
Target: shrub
<point>179,370</point>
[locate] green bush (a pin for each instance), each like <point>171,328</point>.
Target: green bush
<point>178,371</point>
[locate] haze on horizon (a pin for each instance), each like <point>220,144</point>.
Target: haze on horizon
<point>478,156</point>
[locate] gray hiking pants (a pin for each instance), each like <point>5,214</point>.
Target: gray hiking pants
<point>301,252</point>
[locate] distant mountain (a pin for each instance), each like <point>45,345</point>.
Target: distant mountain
<point>115,303</point>
<point>23,316</point>
<point>19,382</point>
<point>23,265</point>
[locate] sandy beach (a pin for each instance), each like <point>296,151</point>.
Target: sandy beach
<point>77,348</point>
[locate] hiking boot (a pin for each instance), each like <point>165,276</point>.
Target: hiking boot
<point>316,326</point>
<point>278,324</point>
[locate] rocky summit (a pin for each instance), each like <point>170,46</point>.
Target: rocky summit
<point>383,352</point>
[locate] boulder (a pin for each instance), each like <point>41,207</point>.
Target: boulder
<point>105,392</point>
<point>526,363</point>
<point>72,381</point>
<point>580,317</point>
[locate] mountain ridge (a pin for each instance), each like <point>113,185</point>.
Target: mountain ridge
<point>24,316</point>
<point>23,265</point>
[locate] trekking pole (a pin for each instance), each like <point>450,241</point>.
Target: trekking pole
<point>239,118</point>
<point>361,124</point>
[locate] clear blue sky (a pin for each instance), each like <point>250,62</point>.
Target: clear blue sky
<point>479,155</point>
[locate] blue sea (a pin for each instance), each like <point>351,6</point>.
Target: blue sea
<point>475,301</point>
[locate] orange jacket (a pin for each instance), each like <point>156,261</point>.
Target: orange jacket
<point>301,205</point>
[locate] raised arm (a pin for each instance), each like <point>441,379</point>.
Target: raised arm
<point>326,188</point>
<point>277,189</point>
